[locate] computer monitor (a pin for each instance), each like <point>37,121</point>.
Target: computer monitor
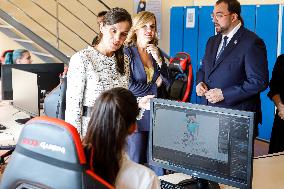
<point>25,92</point>
<point>48,76</point>
<point>208,143</point>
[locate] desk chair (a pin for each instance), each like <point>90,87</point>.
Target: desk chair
<point>180,68</point>
<point>2,58</point>
<point>3,55</point>
<point>49,154</point>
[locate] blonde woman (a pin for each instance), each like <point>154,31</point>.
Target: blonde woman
<point>148,76</point>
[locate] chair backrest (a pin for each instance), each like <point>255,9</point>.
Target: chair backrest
<point>181,73</point>
<point>4,55</point>
<point>55,101</point>
<point>49,154</point>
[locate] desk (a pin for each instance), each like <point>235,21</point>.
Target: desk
<point>268,173</point>
<point>8,115</point>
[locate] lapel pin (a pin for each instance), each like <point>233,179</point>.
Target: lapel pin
<point>235,42</point>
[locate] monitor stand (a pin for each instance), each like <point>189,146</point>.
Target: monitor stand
<point>198,183</point>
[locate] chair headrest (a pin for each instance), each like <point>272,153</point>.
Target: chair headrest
<point>49,149</point>
<point>180,62</point>
<point>3,54</point>
<point>53,138</point>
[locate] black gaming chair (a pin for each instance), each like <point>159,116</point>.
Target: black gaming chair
<point>49,155</point>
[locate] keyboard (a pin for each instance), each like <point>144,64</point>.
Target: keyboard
<point>168,185</point>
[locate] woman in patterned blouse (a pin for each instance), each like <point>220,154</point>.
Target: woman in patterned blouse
<point>98,68</point>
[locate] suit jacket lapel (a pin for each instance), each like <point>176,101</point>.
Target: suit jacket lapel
<point>231,45</point>
<point>138,63</point>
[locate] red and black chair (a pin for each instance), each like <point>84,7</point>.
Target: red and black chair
<point>180,68</point>
<point>49,154</point>
<point>3,55</point>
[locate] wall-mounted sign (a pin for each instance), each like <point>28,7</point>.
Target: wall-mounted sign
<point>153,6</point>
<point>190,18</point>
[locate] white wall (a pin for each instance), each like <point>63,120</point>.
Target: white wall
<point>165,11</point>
<point>243,2</point>
<point>6,43</point>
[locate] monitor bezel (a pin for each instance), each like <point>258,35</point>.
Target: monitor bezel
<point>195,173</point>
<point>42,69</point>
<point>26,92</point>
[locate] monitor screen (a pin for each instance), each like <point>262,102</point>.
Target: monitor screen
<point>205,142</point>
<point>25,91</point>
<point>48,76</point>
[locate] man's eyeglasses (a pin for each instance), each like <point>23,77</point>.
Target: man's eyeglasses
<point>218,16</point>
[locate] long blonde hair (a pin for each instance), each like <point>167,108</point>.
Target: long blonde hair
<point>138,22</point>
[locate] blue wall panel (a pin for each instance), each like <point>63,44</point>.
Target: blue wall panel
<point>176,30</point>
<point>282,36</point>
<point>249,16</point>
<point>261,19</point>
<point>190,40</point>
<point>267,29</point>
<point>206,30</point>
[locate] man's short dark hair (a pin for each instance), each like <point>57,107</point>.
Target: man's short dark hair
<point>234,6</point>
<point>102,13</point>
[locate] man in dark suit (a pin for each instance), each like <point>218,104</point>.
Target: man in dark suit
<point>234,69</point>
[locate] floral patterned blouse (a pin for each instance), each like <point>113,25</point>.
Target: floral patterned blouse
<point>89,74</point>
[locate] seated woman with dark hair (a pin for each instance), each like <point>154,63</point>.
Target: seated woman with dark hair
<point>149,74</point>
<point>113,119</point>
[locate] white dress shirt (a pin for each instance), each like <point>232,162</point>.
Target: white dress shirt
<point>230,36</point>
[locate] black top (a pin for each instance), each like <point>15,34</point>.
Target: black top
<point>276,84</point>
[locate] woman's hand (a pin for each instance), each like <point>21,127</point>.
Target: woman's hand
<point>280,109</point>
<point>159,81</point>
<point>154,51</point>
<point>144,102</point>
<point>279,105</point>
